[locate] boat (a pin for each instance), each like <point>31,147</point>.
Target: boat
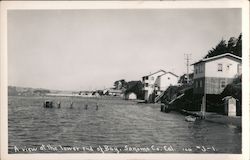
<point>190,119</point>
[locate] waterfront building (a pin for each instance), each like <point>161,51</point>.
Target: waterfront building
<point>96,93</point>
<point>186,79</point>
<point>130,96</point>
<point>164,81</point>
<point>212,75</point>
<point>134,90</point>
<point>154,84</point>
<point>85,93</point>
<point>115,92</point>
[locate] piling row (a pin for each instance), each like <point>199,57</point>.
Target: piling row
<point>49,104</point>
<point>165,108</point>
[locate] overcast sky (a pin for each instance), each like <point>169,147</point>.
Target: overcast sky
<point>90,49</point>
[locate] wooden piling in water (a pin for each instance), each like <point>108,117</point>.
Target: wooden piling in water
<point>59,104</point>
<point>165,108</point>
<point>48,104</point>
<point>162,108</point>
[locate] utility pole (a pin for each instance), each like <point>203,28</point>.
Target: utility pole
<point>187,58</point>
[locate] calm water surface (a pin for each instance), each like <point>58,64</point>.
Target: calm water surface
<point>117,123</point>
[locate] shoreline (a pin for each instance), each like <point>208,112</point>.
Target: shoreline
<point>216,118</point>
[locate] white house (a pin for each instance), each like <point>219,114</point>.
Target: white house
<point>166,80</point>
<point>130,96</point>
<point>211,75</point>
<point>115,92</point>
<point>157,82</point>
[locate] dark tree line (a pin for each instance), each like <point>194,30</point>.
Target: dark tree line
<point>135,87</point>
<point>233,45</point>
<point>41,91</point>
<point>130,86</point>
<point>120,84</point>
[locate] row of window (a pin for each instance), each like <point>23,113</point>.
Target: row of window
<point>152,78</point>
<point>200,83</point>
<point>145,78</point>
<point>228,67</point>
<point>220,68</point>
<point>197,84</point>
<point>199,69</point>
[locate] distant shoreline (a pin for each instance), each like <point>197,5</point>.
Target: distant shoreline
<point>68,95</point>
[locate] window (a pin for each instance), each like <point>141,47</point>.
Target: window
<point>201,69</point>
<point>168,78</point>
<point>228,67</point>
<point>223,84</point>
<point>220,67</point>
<point>200,83</point>
<point>196,84</point>
<point>146,84</point>
<point>239,68</point>
<point>196,70</point>
<point>146,78</point>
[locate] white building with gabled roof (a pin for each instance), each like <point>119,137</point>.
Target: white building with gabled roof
<point>165,80</point>
<point>211,75</point>
<point>157,82</point>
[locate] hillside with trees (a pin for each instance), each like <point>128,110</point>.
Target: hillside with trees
<point>25,91</point>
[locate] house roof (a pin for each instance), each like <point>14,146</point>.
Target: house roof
<point>168,73</point>
<point>115,91</point>
<point>155,73</point>
<point>130,93</point>
<point>217,57</point>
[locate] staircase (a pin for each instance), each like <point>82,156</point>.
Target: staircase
<point>159,97</point>
<point>176,98</point>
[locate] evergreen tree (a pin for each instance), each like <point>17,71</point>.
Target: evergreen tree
<point>231,44</point>
<point>120,84</point>
<point>238,47</point>
<point>221,48</point>
<point>234,46</point>
<point>135,87</point>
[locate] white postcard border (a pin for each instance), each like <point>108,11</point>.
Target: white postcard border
<point>8,5</point>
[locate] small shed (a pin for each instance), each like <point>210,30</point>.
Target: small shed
<point>130,96</point>
<point>96,94</point>
<point>230,106</point>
